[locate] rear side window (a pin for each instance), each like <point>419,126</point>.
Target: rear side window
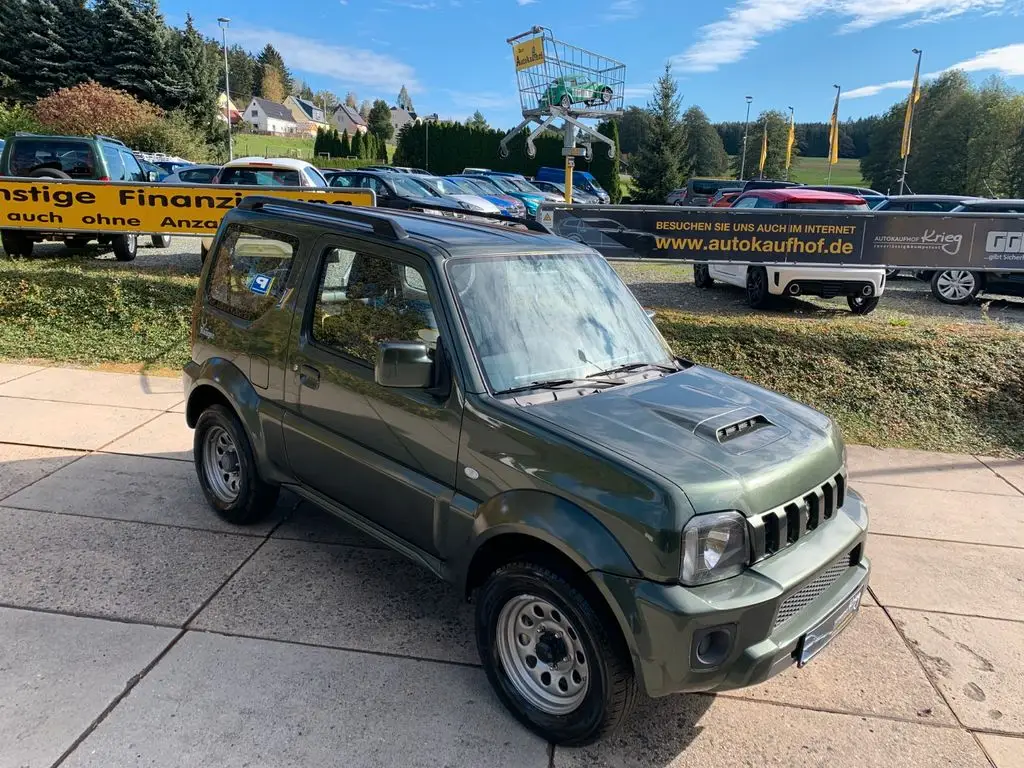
<point>250,270</point>
<point>932,205</point>
<point>746,202</point>
<point>199,176</point>
<point>75,158</point>
<point>115,166</point>
<point>133,171</point>
<point>261,177</point>
<point>314,177</point>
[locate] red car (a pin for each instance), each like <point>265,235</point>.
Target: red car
<point>800,199</point>
<point>723,198</point>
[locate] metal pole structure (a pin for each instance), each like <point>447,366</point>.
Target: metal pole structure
<point>829,179</point>
<point>746,125</point>
<point>568,145</point>
<point>224,21</point>
<point>910,128</point>
<point>789,150</point>
<point>426,149</point>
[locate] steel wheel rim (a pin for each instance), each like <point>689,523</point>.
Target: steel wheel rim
<point>542,655</point>
<point>221,466</point>
<point>955,284</point>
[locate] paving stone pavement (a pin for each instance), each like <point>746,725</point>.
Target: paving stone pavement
<point>137,629</point>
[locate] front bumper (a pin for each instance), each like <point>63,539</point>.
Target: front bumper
<point>661,620</point>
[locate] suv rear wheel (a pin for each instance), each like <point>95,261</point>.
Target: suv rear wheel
<point>757,287</point>
<point>227,468</point>
<point>161,241</point>
<point>125,247</point>
<point>702,276</point>
<point>16,244</point>
<point>553,657</point>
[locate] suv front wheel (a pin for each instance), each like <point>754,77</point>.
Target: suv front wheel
<point>227,468</point>
<point>553,657</point>
<point>16,244</point>
<point>125,247</point>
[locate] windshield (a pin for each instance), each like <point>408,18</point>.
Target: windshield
<point>263,177</point>
<point>505,185</point>
<point>525,186</point>
<point>511,305</point>
<point>481,182</point>
<point>409,187</point>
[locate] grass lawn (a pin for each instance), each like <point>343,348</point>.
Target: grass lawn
<point>273,146</point>
<point>928,385</point>
<point>814,170</point>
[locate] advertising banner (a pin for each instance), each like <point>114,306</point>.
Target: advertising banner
<point>897,239</point>
<point>528,53</point>
<point>54,205</point>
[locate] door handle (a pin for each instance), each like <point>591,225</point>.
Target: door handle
<point>309,376</point>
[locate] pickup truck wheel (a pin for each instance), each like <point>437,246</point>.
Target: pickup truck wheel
<point>227,468</point>
<point>702,276</point>
<point>554,658</point>
<point>757,287</point>
<point>862,305</point>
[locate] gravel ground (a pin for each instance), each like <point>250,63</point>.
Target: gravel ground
<point>667,285</point>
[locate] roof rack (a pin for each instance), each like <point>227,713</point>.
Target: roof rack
<point>110,139</point>
<point>380,223</point>
<point>531,224</point>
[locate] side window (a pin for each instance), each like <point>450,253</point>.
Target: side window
<point>115,167</point>
<point>365,299</point>
<point>132,168</point>
<point>763,202</point>
<point>314,177</point>
<point>747,202</point>
<point>250,271</point>
<point>376,185</point>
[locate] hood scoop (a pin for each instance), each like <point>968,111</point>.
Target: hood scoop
<point>740,430</point>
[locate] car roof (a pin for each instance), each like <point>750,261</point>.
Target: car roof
<point>290,163</point>
<point>997,203</point>
<point>442,237</point>
<point>935,198</point>
<point>801,195</point>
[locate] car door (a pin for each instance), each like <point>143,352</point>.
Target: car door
<point>387,454</point>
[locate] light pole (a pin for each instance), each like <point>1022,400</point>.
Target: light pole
<point>746,125</point>
<point>908,129</point>
<point>224,21</point>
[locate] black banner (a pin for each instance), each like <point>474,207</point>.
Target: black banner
<point>865,239</point>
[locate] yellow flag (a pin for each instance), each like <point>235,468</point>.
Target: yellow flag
<point>764,149</point>
<point>908,118</point>
<point>790,140</point>
<point>833,133</point>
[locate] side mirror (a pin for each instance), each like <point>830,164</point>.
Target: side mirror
<point>650,313</point>
<point>403,364</point>
<point>152,176</point>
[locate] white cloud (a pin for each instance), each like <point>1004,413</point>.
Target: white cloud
<point>413,5</point>
<point>1007,60</point>
<point>621,10</point>
<point>352,66</point>
<point>746,22</point>
<point>525,2</point>
<point>481,99</point>
<point>635,92</point>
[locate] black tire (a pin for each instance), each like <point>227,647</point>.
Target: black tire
<point>16,244</point>
<point>126,247</point>
<point>924,275</point>
<point>254,498</point>
<point>758,296</point>
<point>566,101</point>
<point>956,286</point>
<point>48,173</point>
<point>161,241</point>
<point>891,273</point>
<point>611,686</point>
<point>862,305</point>
<point>606,95</point>
<point>702,276</point>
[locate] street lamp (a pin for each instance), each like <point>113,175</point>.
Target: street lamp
<point>746,125</point>
<point>224,21</point>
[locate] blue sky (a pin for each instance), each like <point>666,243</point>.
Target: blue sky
<point>452,54</point>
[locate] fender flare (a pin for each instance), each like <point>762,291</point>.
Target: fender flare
<point>233,386</point>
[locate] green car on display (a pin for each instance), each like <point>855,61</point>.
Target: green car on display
<point>491,401</point>
<point>571,89</point>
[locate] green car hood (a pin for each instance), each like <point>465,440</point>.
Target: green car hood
<point>678,426</point>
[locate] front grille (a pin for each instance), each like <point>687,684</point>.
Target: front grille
<point>812,590</point>
<point>778,528</point>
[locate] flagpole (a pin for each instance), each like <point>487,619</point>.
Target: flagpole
<point>835,115</point>
<point>789,144</point>
<point>906,155</point>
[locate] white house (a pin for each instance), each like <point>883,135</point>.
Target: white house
<point>270,117</point>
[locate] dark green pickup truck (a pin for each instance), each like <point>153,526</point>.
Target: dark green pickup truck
<point>491,401</point>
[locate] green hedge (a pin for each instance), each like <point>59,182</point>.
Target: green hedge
<point>344,163</point>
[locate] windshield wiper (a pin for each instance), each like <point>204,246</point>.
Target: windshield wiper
<point>633,367</point>
<point>553,384</point>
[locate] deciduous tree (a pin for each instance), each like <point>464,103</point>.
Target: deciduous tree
<point>379,120</point>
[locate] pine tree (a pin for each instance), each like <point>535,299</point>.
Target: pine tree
<point>605,168</point>
<point>335,143</point>
<point>379,120</point>
<point>13,29</point>
<point>81,40</point>
<point>656,167</point>
<point>477,122</point>
<point>134,51</point>
<point>303,91</point>
<point>318,143</point>
<point>404,101</point>
<point>41,44</point>
<point>382,152</point>
<point>346,145</point>
<point>198,84</point>
<point>242,69</point>
<point>357,145</point>
<point>703,152</point>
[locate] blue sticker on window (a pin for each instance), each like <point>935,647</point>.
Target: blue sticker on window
<point>260,284</point>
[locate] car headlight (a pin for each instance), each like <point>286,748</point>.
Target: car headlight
<point>715,547</point>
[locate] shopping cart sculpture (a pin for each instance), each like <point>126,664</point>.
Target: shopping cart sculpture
<point>558,81</point>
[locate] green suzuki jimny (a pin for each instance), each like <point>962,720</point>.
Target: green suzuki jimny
<point>491,401</point>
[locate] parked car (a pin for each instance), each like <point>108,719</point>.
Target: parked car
<point>495,405</point>
<point>575,89</point>
<point>724,197</point>
<point>578,195</point>
<point>752,184</point>
<point>173,166</point>
<point>925,203</point>
<point>513,187</point>
<point>153,171</point>
<point>466,171</point>
<point>398,190</point>
<point>868,195</point>
<point>960,286</point>
<point>478,185</point>
<point>583,180</point>
<point>862,287</point>
<point>698,192</point>
<point>450,188</point>
<point>194,174</point>
<point>96,158</point>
